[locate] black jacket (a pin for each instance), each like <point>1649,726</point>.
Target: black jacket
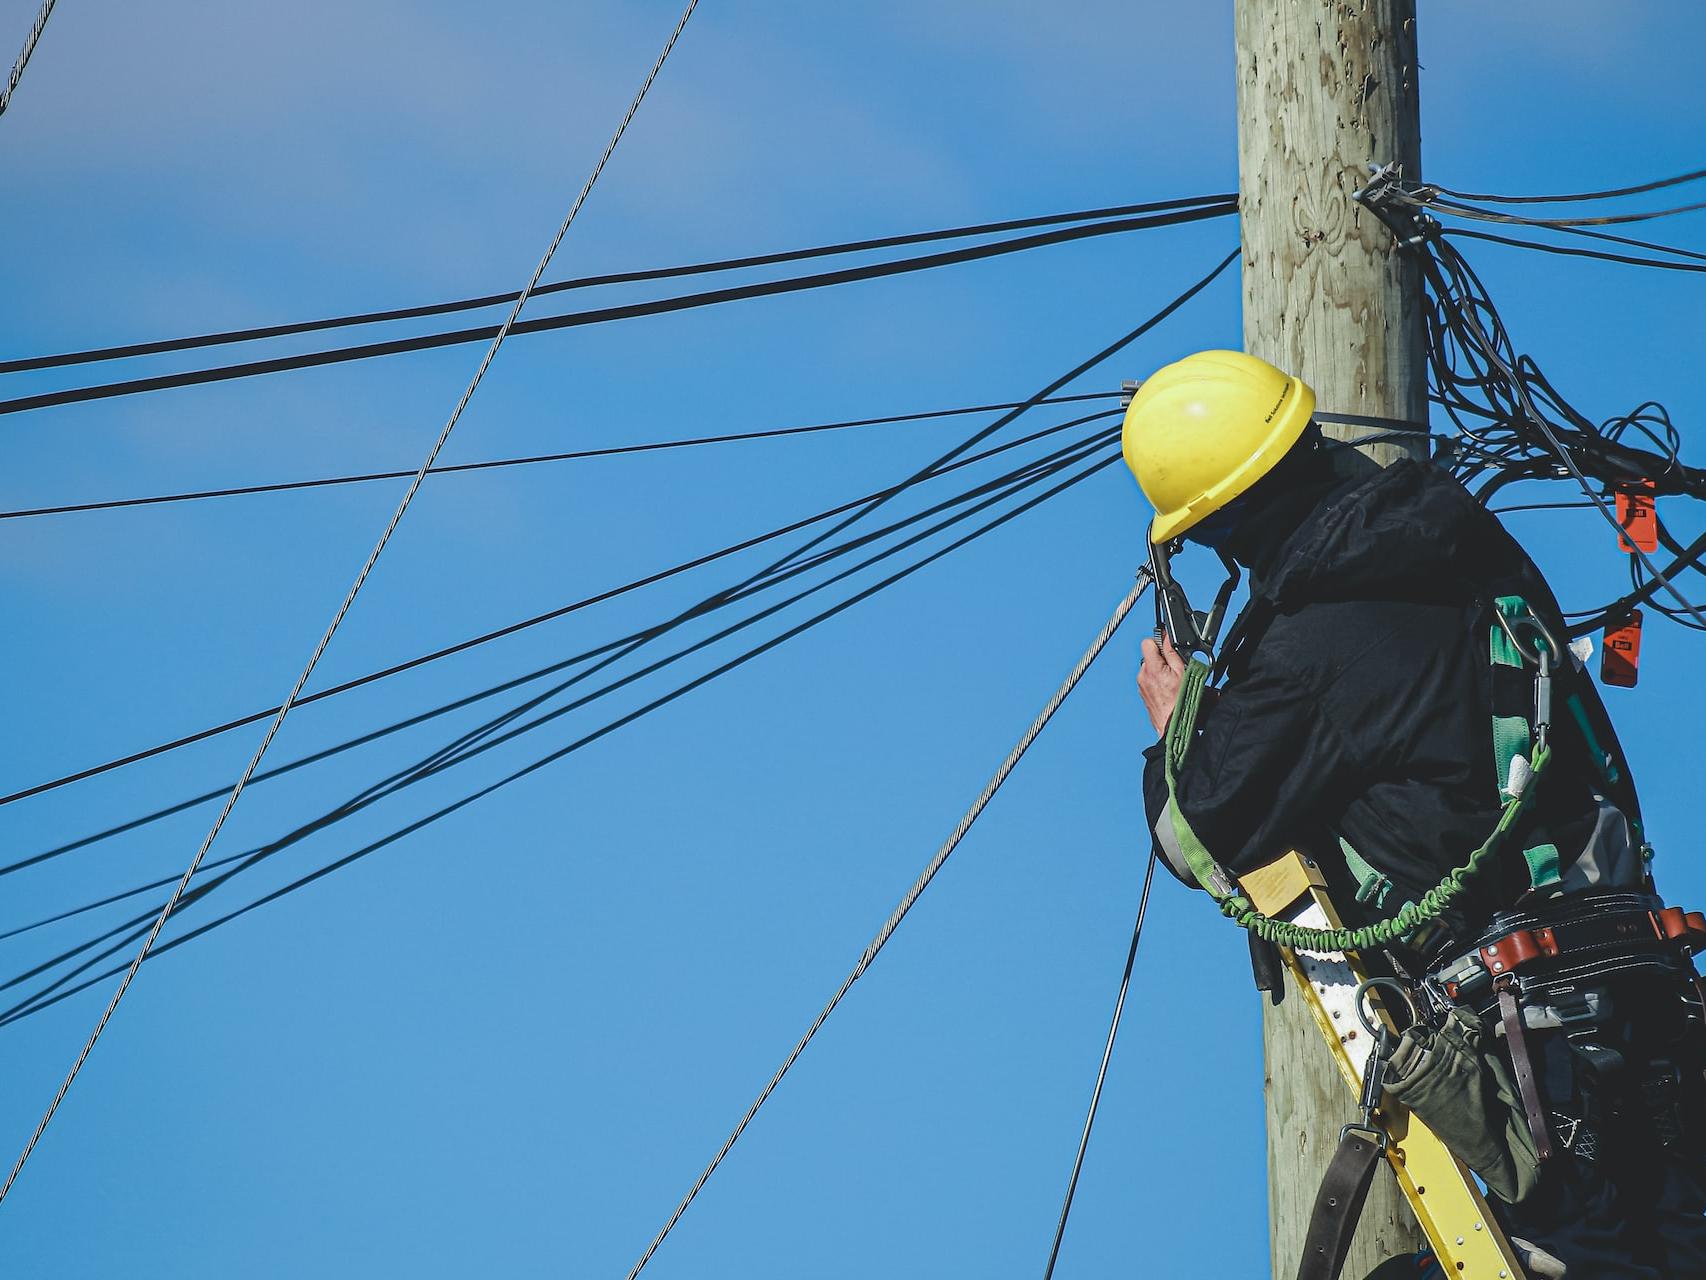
<point>1358,700</point>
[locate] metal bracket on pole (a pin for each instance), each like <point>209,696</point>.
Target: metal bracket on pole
<point>1409,225</point>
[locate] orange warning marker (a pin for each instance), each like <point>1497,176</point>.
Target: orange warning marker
<point>1639,522</point>
<point>1620,656</point>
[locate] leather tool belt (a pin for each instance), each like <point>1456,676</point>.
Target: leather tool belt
<point>1555,952</point>
<point>1549,968</point>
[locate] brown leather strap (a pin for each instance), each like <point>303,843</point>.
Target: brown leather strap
<point>1338,1205</point>
<point>1510,1012</point>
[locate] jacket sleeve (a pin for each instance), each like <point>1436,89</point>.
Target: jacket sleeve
<point>1265,773</point>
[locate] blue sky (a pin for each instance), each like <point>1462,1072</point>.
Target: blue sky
<point>506,1046</point>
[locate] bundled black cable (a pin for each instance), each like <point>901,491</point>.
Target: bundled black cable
<point>1443,201</point>
<point>166,346</point>
<point>1514,424</point>
<point>1078,461</point>
<point>599,652</point>
<point>952,460</point>
<point>1192,211</point>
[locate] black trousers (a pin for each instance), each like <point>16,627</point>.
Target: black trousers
<point>1625,1197</point>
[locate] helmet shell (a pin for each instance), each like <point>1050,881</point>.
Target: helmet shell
<point>1202,431</point>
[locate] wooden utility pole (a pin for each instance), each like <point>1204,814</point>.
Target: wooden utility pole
<point>1325,89</point>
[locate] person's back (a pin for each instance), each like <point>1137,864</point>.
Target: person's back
<point>1366,717</point>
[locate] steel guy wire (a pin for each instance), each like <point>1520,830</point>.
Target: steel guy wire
<point>1102,1071</point>
<point>36,1003</point>
<point>906,904</point>
<point>612,451</point>
<point>349,599</point>
<point>36,28</point>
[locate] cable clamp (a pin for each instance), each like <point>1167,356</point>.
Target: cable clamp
<point>1384,179</point>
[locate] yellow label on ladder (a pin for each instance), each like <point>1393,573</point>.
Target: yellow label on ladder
<point>1440,1190</point>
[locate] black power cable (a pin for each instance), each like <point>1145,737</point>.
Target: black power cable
<point>463,646</point>
<point>1476,371</point>
<point>53,995</point>
<point>1568,251</point>
<point>1564,224</point>
<point>468,744</point>
<point>266,332</point>
<point>1102,1071</point>
<point>1525,381</point>
<point>479,740</point>
<point>461,748</point>
<point>855,511</point>
<point>604,315</point>
<point>576,455</point>
<point>1613,193</point>
<point>1422,200</point>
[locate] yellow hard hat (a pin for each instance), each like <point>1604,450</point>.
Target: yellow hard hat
<point>1201,431</point>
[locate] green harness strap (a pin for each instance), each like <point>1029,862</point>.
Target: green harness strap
<point>1373,885</point>
<point>1223,888</point>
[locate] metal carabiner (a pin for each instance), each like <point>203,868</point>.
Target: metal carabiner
<point>1393,984</point>
<point>1541,658</point>
<point>1531,620</point>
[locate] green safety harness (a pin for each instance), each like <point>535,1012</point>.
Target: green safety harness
<point>1514,739</point>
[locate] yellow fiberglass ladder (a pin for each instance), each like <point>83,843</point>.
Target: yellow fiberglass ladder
<point>1440,1189</point>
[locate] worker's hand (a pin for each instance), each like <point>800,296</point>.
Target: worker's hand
<point>1158,680</point>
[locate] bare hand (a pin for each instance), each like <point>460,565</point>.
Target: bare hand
<point>1158,680</point>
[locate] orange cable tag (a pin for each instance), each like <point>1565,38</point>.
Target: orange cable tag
<point>1635,516</point>
<point>1620,655</point>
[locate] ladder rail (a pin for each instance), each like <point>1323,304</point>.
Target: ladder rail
<point>1438,1187</point>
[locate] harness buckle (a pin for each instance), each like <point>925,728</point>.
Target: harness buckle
<point>1687,928</point>
<point>1373,1087</point>
<point>1514,950</point>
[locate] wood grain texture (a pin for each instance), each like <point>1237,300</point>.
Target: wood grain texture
<point>1325,89</point>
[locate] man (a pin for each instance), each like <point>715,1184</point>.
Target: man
<point>1359,720</point>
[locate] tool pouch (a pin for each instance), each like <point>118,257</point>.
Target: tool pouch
<point>1466,1095</point>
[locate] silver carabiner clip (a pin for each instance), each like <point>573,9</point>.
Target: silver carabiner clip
<point>1542,656</point>
<point>1530,620</point>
